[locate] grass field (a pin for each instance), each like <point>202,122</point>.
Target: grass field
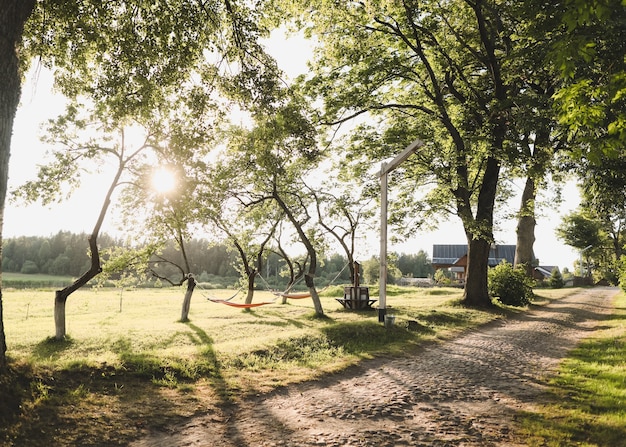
<point>23,281</point>
<point>119,328</point>
<point>128,362</point>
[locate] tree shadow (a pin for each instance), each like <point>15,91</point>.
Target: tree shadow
<point>216,378</point>
<point>51,348</point>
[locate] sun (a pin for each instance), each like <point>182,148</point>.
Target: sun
<point>163,180</point>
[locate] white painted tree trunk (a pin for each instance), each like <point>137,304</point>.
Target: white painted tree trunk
<point>59,318</point>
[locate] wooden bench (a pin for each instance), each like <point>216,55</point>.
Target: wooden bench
<point>356,298</point>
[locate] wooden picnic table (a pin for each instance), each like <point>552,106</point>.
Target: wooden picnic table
<point>356,298</point>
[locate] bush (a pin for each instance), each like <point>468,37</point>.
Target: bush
<point>511,286</point>
<point>441,278</point>
<point>556,280</point>
<point>29,268</point>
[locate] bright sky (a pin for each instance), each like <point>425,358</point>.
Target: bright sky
<point>79,214</point>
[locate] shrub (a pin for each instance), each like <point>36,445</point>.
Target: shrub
<point>556,279</point>
<point>29,268</point>
<point>511,286</point>
<point>441,278</point>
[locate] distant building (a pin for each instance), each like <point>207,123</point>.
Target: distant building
<point>454,258</point>
<point>543,272</point>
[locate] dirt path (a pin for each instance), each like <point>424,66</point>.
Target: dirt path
<point>463,392</point>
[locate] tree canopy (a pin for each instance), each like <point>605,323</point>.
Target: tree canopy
<point>444,72</point>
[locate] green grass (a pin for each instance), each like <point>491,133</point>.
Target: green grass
<point>31,281</point>
<point>586,405</point>
<point>147,328</point>
<point>128,362</point>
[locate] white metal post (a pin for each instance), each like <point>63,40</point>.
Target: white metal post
<point>382,281</point>
<point>385,169</point>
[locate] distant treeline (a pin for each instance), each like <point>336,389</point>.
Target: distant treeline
<point>66,254</point>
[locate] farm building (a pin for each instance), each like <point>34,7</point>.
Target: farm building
<point>454,258</point>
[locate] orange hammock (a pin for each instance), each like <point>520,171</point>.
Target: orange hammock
<point>294,296</point>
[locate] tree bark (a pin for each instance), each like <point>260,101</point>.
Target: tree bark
<point>479,235</point>
<point>13,16</point>
<point>526,228</point>
<point>250,294</point>
<point>191,285</point>
<point>476,291</point>
<point>59,314</point>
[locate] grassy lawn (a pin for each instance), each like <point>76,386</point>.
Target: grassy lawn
<point>586,405</point>
<point>128,362</point>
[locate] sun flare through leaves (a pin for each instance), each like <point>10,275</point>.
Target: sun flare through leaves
<point>164,180</point>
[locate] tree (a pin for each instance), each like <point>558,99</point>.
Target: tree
<point>77,144</point>
<point>341,213</point>
<point>603,191</point>
<point>415,265</point>
<point>556,279</point>
<point>590,58</point>
<point>128,54</point>
<point>13,16</point>
<point>583,232</point>
<point>268,163</point>
<point>434,71</point>
<point>534,73</point>
<point>579,230</point>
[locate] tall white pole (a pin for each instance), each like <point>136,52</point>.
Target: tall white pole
<point>382,281</point>
<point>385,169</point>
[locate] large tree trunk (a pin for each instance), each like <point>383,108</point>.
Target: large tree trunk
<point>526,228</point>
<point>479,233</point>
<point>476,291</point>
<point>191,285</point>
<point>13,16</point>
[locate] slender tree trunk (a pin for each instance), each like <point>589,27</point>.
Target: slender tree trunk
<point>308,278</point>
<point>61,296</point>
<point>3,343</point>
<point>250,294</point>
<point>60,299</point>
<point>191,285</point>
<point>13,16</point>
<point>317,303</point>
<point>526,228</point>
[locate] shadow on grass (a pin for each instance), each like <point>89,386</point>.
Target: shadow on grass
<point>367,337</point>
<point>51,348</point>
<point>571,430</point>
<point>263,318</point>
<point>210,360</point>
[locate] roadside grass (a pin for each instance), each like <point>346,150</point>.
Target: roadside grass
<point>129,364</point>
<point>586,403</point>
